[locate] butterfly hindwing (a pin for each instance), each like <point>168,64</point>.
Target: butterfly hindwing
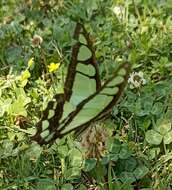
<point>84,99</point>
<point>47,126</point>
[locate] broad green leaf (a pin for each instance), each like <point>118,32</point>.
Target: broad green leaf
<point>117,185</point>
<point>82,187</point>
<point>126,186</point>
<point>67,186</point>
<point>11,135</point>
<point>75,157</point>
<point>153,137</point>
<point>4,106</point>
<point>153,152</point>
<point>164,127</point>
<point>47,184</point>
<point>114,157</point>
<point>89,164</point>
<point>72,173</point>
<point>34,151</point>
<point>124,152</point>
<point>17,109</point>
<point>18,106</point>
<point>13,54</point>
<point>168,137</point>
<point>63,150</point>
<point>6,103</point>
<point>6,149</point>
<point>20,136</point>
<point>140,172</point>
<point>115,147</point>
<point>90,6</point>
<point>127,177</point>
<point>130,164</point>
<point>157,108</point>
<point>105,160</point>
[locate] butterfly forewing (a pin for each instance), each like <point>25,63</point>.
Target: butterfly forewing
<point>83,76</point>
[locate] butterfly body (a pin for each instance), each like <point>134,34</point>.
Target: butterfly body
<point>85,99</point>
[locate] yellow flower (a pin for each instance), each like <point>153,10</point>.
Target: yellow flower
<point>25,75</point>
<point>53,67</point>
<point>30,62</point>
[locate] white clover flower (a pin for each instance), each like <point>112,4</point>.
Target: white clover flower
<point>37,41</point>
<point>93,141</point>
<point>118,11</point>
<point>136,80</point>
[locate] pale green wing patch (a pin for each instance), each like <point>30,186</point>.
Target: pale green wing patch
<point>86,69</point>
<point>122,72</point>
<point>83,85</point>
<point>84,53</point>
<point>89,111</point>
<point>82,39</point>
<point>45,133</point>
<point>109,91</point>
<point>67,109</point>
<point>51,113</point>
<point>45,129</point>
<point>49,137</point>
<point>45,125</point>
<point>116,81</point>
<point>84,88</point>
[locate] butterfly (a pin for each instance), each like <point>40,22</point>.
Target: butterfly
<point>85,99</point>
